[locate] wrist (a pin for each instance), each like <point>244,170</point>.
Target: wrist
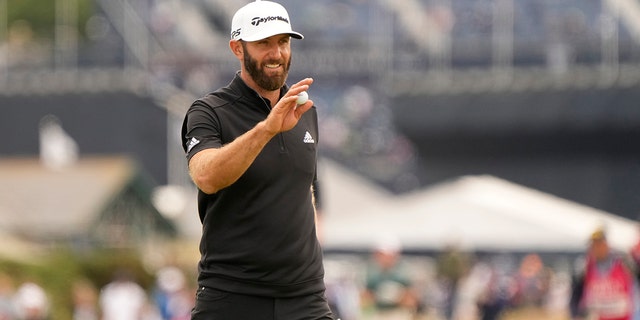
<point>263,130</point>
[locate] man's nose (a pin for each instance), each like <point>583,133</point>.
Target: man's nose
<point>275,52</point>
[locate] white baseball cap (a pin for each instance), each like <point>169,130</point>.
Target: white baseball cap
<point>261,19</point>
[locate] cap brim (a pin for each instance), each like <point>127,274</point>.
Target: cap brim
<point>296,35</point>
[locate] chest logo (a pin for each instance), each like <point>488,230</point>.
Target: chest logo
<point>308,138</point>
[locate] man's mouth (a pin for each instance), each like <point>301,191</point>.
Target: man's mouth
<point>272,65</point>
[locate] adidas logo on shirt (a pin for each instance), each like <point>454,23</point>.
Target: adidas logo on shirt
<point>308,138</point>
<point>192,143</point>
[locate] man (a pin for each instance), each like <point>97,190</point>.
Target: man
<point>389,289</point>
<point>252,155</point>
<point>452,266</point>
<point>607,289</point>
<point>122,298</point>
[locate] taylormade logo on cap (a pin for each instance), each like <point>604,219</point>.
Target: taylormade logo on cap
<point>256,21</point>
<point>261,19</point>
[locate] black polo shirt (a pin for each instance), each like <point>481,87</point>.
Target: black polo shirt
<point>258,233</point>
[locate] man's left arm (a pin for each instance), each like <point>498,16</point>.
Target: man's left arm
<point>317,205</point>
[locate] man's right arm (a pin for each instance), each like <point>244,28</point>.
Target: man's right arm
<point>216,168</point>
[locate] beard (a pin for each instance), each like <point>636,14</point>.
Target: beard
<point>258,75</point>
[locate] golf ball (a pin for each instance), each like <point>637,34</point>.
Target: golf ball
<point>302,97</point>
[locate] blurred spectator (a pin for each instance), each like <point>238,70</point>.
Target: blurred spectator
<point>123,298</point>
<point>171,296</point>
<point>606,289</point>
<point>388,287</point>
<point>635,255</point>
<point>559,291</point>
<point>452,266</point>
<point>531,283</point>
<point>85,300</point>
<point>495,296</point>
<point>31,302</point>
<point>7,310</point>
<point>343,290</point>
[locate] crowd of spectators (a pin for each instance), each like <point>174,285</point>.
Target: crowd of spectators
<point>457,284</point>
<point>387,283</point>
<point>123,298</point>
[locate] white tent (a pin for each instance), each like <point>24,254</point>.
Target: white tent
<point>475,212</point>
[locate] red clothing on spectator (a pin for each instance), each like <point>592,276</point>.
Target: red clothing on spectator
<point>608,292</point>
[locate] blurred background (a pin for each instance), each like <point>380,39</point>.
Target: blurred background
<point>480,141</point>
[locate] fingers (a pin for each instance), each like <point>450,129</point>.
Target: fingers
<point>293,92</point>
<point>286,113</point>
<point>302,85</point>
<point>301,109</point>
<point>306,81</point>
<point>289,104</point>
<point>289,100</point>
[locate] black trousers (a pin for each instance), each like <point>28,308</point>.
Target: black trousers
<point>212,304</point>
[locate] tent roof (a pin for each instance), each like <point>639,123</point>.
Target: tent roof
<point>38,201</point>
<point>475,212</point>
<point>16,249</point>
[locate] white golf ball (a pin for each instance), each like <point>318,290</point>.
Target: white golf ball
<point>302,97</point>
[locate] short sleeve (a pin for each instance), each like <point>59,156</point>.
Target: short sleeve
<point>200,130</point>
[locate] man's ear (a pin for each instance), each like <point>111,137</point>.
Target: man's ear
<point>236,48</point>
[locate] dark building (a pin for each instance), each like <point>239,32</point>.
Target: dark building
<point>103,123</point>
<point>575,142</point>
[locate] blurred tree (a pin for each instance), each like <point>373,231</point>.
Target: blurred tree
<point>61,267</point>
<point>41,15</point>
